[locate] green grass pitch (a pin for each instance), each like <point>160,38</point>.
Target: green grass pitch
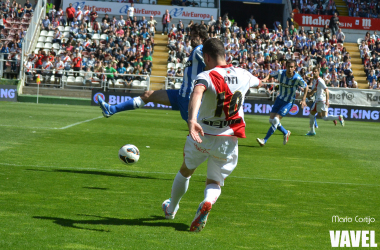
<point>62,185</point>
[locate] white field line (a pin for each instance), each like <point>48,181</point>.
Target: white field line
<point>68,126</point>
<point>77,123</point>
<point>15,126</point>
<point>152,172</point>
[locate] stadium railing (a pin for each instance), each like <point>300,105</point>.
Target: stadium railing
<point>32,33</point>
<point>68,80</point>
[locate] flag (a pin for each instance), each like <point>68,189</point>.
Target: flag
<point>38,80</point>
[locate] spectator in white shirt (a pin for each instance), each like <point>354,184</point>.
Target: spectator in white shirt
<point>79,15</point>
<point>340,36</point>
<point>131,11</point>
<point>59,66</point>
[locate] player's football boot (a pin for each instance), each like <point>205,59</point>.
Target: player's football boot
<point>105,107</point>
<point>201,216</point>
<point>335,122</point>
<point>341,120</point>
<point>311,133</point>
<point>286,137</point>
<point>165,206</point>
<point>261,142</point>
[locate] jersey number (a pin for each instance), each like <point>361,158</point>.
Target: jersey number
<point>233,106</point>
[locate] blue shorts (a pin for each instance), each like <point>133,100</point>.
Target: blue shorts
<point>178,102</point>
<point>281,107</point>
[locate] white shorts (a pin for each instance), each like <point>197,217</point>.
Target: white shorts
<point>221,152</point>
<point>319,107</point>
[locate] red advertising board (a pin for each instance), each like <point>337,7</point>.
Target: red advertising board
<point>346,22</point>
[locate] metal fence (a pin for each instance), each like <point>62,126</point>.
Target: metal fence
<point>85,80</point>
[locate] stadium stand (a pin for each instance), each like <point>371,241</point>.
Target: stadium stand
<point>14,22</point>
<point>262,51</point>
<point>110,54</point>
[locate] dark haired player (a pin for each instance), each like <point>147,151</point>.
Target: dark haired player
<point>177,98</point>
<point>289,82</point>
<point>213,134</point>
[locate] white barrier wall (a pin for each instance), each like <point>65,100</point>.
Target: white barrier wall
<point>157,11</point>
<point>355,97</point>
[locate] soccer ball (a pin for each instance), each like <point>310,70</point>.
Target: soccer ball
<point>129,154</point>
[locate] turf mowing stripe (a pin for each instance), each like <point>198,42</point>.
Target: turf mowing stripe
<point>77,123</point>
<point>146,172</point>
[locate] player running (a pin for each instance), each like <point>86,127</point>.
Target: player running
<point>220,123</point>
<point>321,103</point>
<point>289,81</point>
<point>177,98</point>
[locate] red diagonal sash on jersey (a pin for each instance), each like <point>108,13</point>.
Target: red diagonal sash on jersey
<point>222,87</point>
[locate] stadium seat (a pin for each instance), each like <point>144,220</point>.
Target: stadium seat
<point>70,80</point>
<point>56,46</point>
<point>66,34</point>
<point>177,85</point>
<point>60,52</point>
<point>51,33</point>
<point>211,5</point>
<point>262,91</point>
<point>170,65</point>
<point>40,45</point>
<point>253,91</point>
<point>61,28</point>
<point>89,29</point>
<point>179,65</point>
<point>359,41</point>
<point>44,33</point>
<point>203,5</point>
<point>78,80</point>
<point>144,83</point>
<point>36,51</point>
<point>67,29</point>
<point>103,37</point>
<point>48,46</point>
<point>119,83</point>
<point>136,83</point>
<point>96,37</point>
<point>49,39</point>
<point>81,73</point>
<point>41,39</point>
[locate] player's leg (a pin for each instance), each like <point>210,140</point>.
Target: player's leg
<point>312,123</point>
<point>315,121</point>
<point>222,161</point>
<point>159,96</point>
<point>324,114</point>
<point>192,159</point>
<point>313,111</point>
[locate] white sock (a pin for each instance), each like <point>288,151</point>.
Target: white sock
<point>312,128</point>
<point>212,193</point>
<point>138,102</point>
<point>179,188</point>
<point>330,118</point>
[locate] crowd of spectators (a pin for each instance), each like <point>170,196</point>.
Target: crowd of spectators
<point>106,48</point>
<point>14,21</point>
<point>370,55</point>
<point>262,51</point>
<point>319,7</point>
<point>364,8</point>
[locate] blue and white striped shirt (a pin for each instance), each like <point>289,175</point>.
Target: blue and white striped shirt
<point>288,86</point>
<point>193,67</point>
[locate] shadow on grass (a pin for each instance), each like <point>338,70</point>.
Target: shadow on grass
<point>104,173</point>
<point>96,188</point>
<point>153,221</point>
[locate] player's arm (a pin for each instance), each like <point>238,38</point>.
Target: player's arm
<point>194,104</point>
<point>327,97</point>
<point>306,90</point>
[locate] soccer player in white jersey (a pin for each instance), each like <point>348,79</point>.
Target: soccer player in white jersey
<point>177,98</point>
<point>321,103</point>
<point>289,82</point>
<point>213,134</point>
